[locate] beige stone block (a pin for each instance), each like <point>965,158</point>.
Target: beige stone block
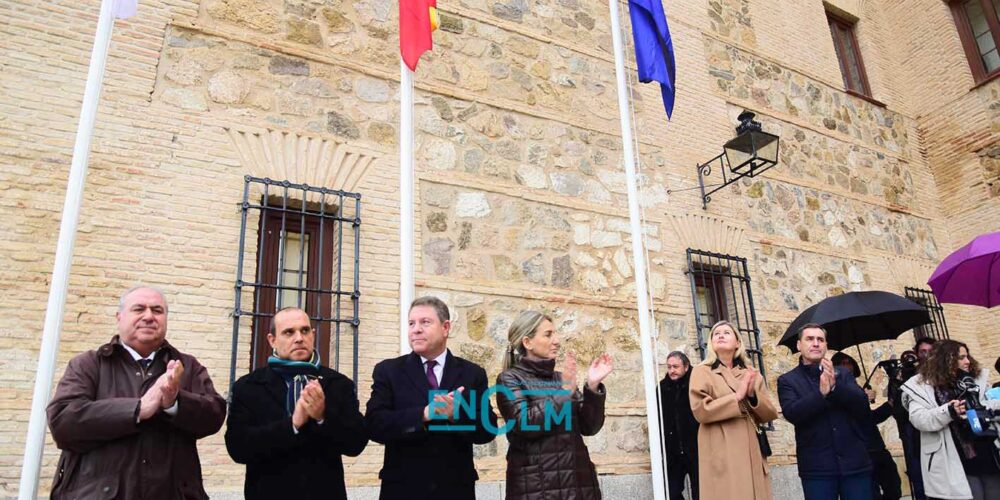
<point>256,15</point>
<point>303,31</point>
<point>228,87</point>
<point>184,99</point>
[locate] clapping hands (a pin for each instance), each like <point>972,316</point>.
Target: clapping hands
<point>164,392</point>
<point>599,369</point>
<point>444,406</point>
<point>311,404</point>
<point>748,384</point>
<point>827,377</point>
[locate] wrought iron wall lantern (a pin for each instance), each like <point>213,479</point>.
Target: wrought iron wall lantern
<point>749,154</point>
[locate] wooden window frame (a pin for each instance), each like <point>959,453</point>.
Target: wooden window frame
<point>315,278</point>
<point>846,26</point>
<point>979,73</point>
<point>715,292</point>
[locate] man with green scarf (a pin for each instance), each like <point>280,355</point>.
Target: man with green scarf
<point>291,421</point>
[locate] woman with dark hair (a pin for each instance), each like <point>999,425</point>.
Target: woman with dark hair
<point>955,462</point>
<point>996,366</point>
<point>546,458</point>
<point>730,401</point>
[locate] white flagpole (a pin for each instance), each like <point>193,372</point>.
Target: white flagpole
<point>639,256</point>
<point>35,440</point>
<point>405,202</point>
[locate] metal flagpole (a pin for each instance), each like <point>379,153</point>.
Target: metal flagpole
<point>639,256</point>
<point>405,202</point>
<point>35,440</point>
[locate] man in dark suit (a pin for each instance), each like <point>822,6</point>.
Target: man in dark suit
<point>292,420</point>
<point>413,411</point>
<point>829,411</point>
<point>680,429</point>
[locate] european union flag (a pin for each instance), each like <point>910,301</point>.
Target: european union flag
<point>654,52</point>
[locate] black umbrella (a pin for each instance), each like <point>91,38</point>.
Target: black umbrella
<point>858,317</point>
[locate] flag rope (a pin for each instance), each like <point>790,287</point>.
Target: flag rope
<point>643,180</point>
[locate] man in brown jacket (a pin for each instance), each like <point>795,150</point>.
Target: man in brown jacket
<point>128,414</point>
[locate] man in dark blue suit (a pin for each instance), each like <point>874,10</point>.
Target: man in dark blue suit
<point>828,410</point>
<point>412,411</point>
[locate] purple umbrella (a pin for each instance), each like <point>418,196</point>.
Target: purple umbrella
<point>971,274</point>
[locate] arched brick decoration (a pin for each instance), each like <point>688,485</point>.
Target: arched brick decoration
<point>906,272</point>
<point>702,232</point>
<point>300,158</point>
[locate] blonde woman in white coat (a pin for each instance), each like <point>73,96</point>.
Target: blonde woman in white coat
<point>956,464</point>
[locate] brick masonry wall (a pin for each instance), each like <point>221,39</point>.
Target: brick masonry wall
<point>521,195</point>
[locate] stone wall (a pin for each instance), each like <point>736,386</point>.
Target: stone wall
<point>795,280</point>
<point>834,221</point>
<point>990,160</point>
<point>497,238</point>
<point>959,120</point>
<point>521,197</point>
<point>767,84</point>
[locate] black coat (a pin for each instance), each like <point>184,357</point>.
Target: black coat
<point>280,463</point>
<point>875,417</point>
<point>830,437</point>
<point>420,462</point>
<point>680,428</point>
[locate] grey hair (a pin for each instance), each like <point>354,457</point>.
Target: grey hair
<point>439,306</point>
<point>126,293</point>
<point>524,326</point>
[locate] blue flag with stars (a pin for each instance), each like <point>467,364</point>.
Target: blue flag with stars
<point>654,51</point>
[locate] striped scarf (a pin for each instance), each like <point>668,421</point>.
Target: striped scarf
<point>296,374</point>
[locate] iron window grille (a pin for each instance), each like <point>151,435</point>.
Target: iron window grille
<point>298,248</point>
<point>720,290</point>
<point>937,329</point>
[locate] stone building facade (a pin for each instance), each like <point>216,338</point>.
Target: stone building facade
<point>520,198</point>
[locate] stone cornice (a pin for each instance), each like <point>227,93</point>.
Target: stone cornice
<point>534,292</point>
<point>463,180</point>
<point>869,255</point>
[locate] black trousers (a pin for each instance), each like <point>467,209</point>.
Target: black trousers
<point>677,468</point>
<point>910,438</point>
<point>885,476</point>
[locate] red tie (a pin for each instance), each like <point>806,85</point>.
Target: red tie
<point>431,378</point>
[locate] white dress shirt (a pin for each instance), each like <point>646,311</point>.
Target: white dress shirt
<point>172,411</point>
<point>439,368</point>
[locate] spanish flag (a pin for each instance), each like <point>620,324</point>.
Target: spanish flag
<point>417,19</point>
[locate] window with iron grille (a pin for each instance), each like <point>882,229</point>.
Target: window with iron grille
<point>849,55</point>
<point>720,290</point>
<point>937,329</point>
<point>304,253</point>
<point>978,23</point>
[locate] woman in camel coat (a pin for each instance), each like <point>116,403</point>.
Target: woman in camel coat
<point>728,398</point>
